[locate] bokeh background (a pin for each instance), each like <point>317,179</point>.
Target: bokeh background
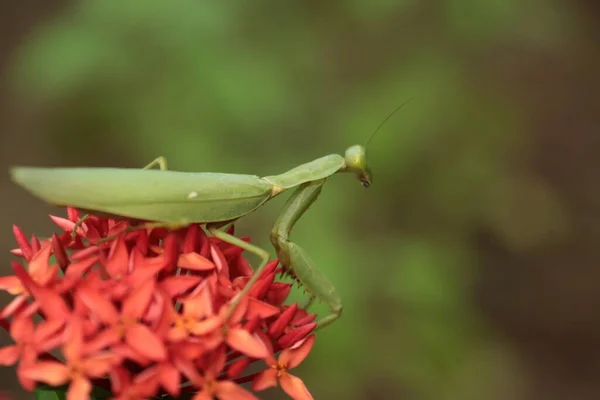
<point>469,269</point>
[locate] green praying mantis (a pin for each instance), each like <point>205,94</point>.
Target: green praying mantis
<point>175,199</point>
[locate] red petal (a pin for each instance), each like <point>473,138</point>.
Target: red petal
<point>9,355</point>
<point>252,324</point>
<point>99,305</point>
<point>261,286</point>
<point>21,329</point>
<point>293,337</point>
<point>144,268</point>
<point>195,262</point>
<point>271,361</point>
<point>35,244</point>
<point>216,363</point>
<point>52,305</point>
<point>259,309</point>
<point>269,268</point>
<point>169,378</point>
<point>122,350</point>
<point>294,356</point>
<point>189,350</point>
<point>142,244</point>
<point>100,365</point>
<point>206,326</point>
<point>118,227</point>
<point>231,230</point>
<point>117,290</point>
<point>93,232</point>
<point>118,259</point>
<point>50,343</point>
<point>242,266</point>
<point>155,315</point>
<point>13,306</point>
<point>144,341</point>
<point>238,313</point>
<point>26,383</point>
<point>264,380</point>
<point>177,334</point>
<point>79,268</point>
<point>39,261</point>
<point>278,293</point>
<point>294,387</point>
<point>171,250</point>
<point>73,214</point>
<point>284,319</point>
<point>303,320</point>
<point>79,389</point>
<point>119,378</point>
<point>84,253</point>
<point>205,248</point>
<point>232,252</point>
<point>146,382</point>
<point>136,304</point>
<point>16,252</point>
<point>242,341</point>
<point>236,368</point>
<point>104,339</point>
<point>23,242</point>
<point>220,261</point>
<point>30,309</point>
<point>67,225</point>
<point>198,304</point>
<point>11,284</point>
<point>176,285</point>
<point>50,372</point>
<point>227,390</point>
<point>203,395</point>
<point>59,251</point>
<point>46,329</point>
<point>73,340</point>
<point>187,368</point>
<point>190,242</point>
<point>47,276</point>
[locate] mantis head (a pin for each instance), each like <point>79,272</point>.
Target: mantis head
<point>356,162</point>
<point>356,156</point>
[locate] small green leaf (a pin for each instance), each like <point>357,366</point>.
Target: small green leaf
<point>44,394</point>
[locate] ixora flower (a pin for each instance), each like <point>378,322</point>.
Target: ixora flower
<point>144,312</point>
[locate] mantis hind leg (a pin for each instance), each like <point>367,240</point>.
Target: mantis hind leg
<point>295,259</point>
<point>160,161</point>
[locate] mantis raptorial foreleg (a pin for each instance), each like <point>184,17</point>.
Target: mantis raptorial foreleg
<point>294,258</point>
<point>162,165</point>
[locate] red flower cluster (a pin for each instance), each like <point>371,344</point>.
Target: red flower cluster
<point>145,312</point>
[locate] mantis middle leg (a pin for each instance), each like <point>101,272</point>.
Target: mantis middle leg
<point>295,259</point>
<point>216,231</point>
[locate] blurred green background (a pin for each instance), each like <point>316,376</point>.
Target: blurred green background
<point>468,270</point>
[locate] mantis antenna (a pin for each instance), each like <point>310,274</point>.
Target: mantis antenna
<point>386,119</point>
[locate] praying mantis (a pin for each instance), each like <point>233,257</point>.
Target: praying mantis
<point>175,199</point>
